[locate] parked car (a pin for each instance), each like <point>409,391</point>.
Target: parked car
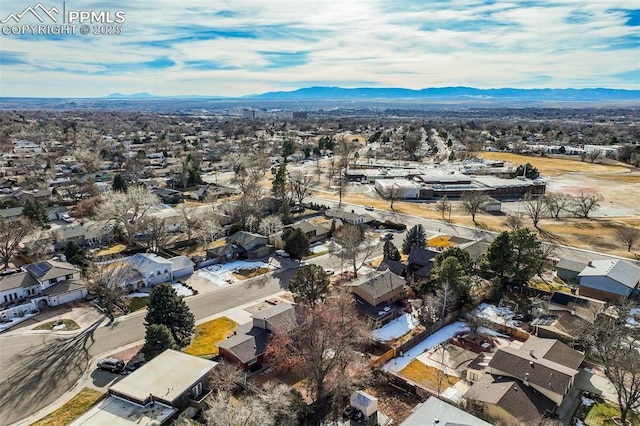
<point>329,272</point>
<point>114,365</point>
<point>133,366</point>
<point>369,208</point>
<point>66,218</point>
<point>386,237</point>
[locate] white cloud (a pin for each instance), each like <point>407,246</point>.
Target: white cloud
<point>234,48</point>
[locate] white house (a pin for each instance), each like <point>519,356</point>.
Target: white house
<point>48,283</point>
<point>155,269</point>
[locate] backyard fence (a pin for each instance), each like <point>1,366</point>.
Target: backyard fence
<point>415,340</point>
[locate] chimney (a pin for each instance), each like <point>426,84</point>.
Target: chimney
<point>532,353</point>
<point>526,377</point>
<point>590,264</point>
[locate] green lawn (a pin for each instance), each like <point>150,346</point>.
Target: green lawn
<point>68,325</point>
<point>73,409</point>
<point>137,303</point>
<point>603,413</point>
<point>208,335</point>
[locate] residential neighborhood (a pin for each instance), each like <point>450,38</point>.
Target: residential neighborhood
<point>297,271</point>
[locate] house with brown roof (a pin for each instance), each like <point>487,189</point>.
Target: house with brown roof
<point>376,294</point>
<point>508,400</point>
<point>247,345</point>
<point>546,365</point>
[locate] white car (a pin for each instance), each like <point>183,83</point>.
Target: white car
<point>329,272</point>
<point>66,218</point>
<point>369,208</point>
<point>282,253</point>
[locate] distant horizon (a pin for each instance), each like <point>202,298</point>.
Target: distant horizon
<point>146,95</point>
<point>228,49</point>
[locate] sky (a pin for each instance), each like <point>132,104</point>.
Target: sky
<point>243,47</point>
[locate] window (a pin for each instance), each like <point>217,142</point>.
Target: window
<point>5,299</point>
<point>197,389</point>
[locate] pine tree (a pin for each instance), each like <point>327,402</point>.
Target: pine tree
<point>416,237</point>
<point>500,256</point>
<point>167,308</point>
<point>35,212</point>
<point>279,184</point>
<point>119,183</point>
<point>296,243</point>
<point>310,284</point>
<point>390,251</point>
<point>157,339</point>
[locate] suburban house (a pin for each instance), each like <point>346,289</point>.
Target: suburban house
<point>37,285</point>
<point>376,294</point>
<point>435,410</point>
<point>248,343</point>
<point>241,245</point>
<point>168,196</point>
<point>568,270</point>
<point>155,269</point>
<point>11,214</point>
<point>420,263</point>
<point>507,400</point>
<point>170,385</point>
<point>346,217</point>
<point>314,233</point>
<point>582,307</point>
<point>546,365</point>
<point>609,280</point>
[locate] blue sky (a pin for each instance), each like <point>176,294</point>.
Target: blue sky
<point>232,48</point>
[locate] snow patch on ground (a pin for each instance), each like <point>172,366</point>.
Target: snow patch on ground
<point>396,328</point>
<point>181,290</point>
<point>440,336</point>
<point>319,248</point>
<point>495,314</point>
<point>138,294</point>
<point>587,402</point>
<point>222,274</point>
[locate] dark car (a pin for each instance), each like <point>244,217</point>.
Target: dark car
<point>114,365</point>
<point>133,365</point>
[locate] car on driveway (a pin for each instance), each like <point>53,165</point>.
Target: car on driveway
<point>329,272</point>
<point>386,237</point>
<point>282,253</point>
<point>369,208</point>
<point>66,218</point>
<point>133,366</point>
<point>114,365</point>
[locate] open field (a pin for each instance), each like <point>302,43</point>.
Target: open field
<point>73,409</point>
<point>208,335</point>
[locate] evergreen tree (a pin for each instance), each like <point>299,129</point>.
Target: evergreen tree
<point>296,243</point>
<point>390,251</point>
<point>285,213</point>
<point>167,308</point>
<point>194,174</point>
<point>528,256</point>
<point>35,212</point>
<point>310,284</point>
<point>463,258</point>
<point>416,237</point>
<point>279,184</point>
<point>76,255</point>
<point>119,183</point>
<point>500,256</point>
<point>157,339</point>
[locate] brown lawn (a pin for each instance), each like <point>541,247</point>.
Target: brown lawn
<point>208,335</point>
<point>428,376</point>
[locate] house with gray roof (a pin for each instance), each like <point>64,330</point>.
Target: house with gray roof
<point>247,345</point>
<point>546,365</point>
<point>155,269</point>
<point>434,409</point>
<point>568,270</point>
<point>507,400</point>
<point>609,280</point>
<point>37,285</point>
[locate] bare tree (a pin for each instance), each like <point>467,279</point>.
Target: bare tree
<point>154,233</point>
<point>39,243</point>
<point>557,203</point>
<point>586,203</point>
<point>352,245</point>
<point>208,230</point>
<point>535,208</point>
<point>594,155</point>
<point>108,282</point>
<point>391,193</point>
<point>443,206</point>
<point>127,208</point>
<point>513,222</point>
<point>342,188</point>
<point>222,410</point>
<point>472,202</point>
<point>628,235</point>
<point>190,219</point>
<point>300,185</point>
<point>89,160</point>
<point>617,347</point>
<point>11,234</point>
<point>323,345</point>
<point>225,377</point>
<point>270,225</point>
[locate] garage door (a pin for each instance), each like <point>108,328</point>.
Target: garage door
<point>68,297</point>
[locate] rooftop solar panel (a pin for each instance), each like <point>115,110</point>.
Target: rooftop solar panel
<point>39,269</point>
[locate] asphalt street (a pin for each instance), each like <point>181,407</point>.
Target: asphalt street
<point>39,368</point>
